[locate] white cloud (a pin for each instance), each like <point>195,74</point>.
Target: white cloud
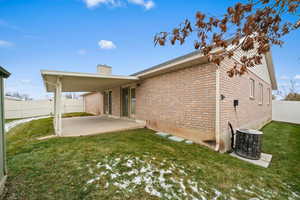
<point>106,44</point>
<point>95,3</point>
<point>4,43</point>
<point>147,4</point>
<point>82,52</point>
<point>297,76</point>
<point>284,77</point>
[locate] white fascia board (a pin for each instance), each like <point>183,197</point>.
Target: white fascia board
<point>171,65</point>
<point>85,75</point>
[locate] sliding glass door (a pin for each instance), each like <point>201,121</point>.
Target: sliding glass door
<point>107,100</point>
<point>125,102</point>
<point>128,100</point>
<point>132,102</point>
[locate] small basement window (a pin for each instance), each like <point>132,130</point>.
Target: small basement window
<point>252,88</point>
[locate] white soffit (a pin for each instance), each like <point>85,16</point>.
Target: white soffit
<point>83,82</point>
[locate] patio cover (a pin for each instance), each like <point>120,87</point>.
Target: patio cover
<point>82,82</point>
<point>59,81</point>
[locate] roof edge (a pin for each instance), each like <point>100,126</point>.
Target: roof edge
<point>169,62</point>
<point>80,74</point>
<point>271,70</point>
<point>4,72</point>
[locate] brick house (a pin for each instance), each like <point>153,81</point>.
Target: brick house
<point>187,96</point>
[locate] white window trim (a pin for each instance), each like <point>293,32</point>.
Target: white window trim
<point>252,93</point>
<point>261,94</point>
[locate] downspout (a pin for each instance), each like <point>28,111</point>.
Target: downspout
<point>217,121</point>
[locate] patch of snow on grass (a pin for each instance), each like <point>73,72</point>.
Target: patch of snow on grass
<point>128,173</point>
<point>93,180</point>
<point>217,193</point>
<point>149,189</point>
<point>165,179</point>
<point>122,184</point>
<point>129,163</point>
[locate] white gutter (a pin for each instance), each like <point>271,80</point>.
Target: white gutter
<point>86,75</point>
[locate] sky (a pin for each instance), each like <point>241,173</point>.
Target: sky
<point>76,35</point>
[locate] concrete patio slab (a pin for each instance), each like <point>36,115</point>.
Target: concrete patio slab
<point>264,160</point>
<point>82,126</point>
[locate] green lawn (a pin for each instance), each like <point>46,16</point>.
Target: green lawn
<point>138,164</point>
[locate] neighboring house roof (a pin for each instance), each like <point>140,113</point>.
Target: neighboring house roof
<point>192,58</point>
<point>4,73</point>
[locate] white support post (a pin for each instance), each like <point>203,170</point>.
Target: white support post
<point>55,111</point>
<point>58,113</point>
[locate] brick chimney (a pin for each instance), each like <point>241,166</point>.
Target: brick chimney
<point>104,69</point>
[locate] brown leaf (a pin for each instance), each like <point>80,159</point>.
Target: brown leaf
<point>200,16</point>
<point>196,45</point>
<point>292,8</point>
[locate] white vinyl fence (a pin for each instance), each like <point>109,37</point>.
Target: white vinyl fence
<point>24,109</point>
<point>286,111</point>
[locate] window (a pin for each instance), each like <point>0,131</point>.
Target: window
<point>128,102</point>
<point>110,102</point>
<point>125,101</point>
<point>252,88</point>
<point>269,95</point>
<point>261,92</point>
<point>133,101</point>
<point>107,99</point>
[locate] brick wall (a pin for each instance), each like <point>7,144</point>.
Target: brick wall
<point>116,101</point>
<point>183,103</point>
<point>249,113</point>
<point>180,102</point>
<point>94,103</point>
